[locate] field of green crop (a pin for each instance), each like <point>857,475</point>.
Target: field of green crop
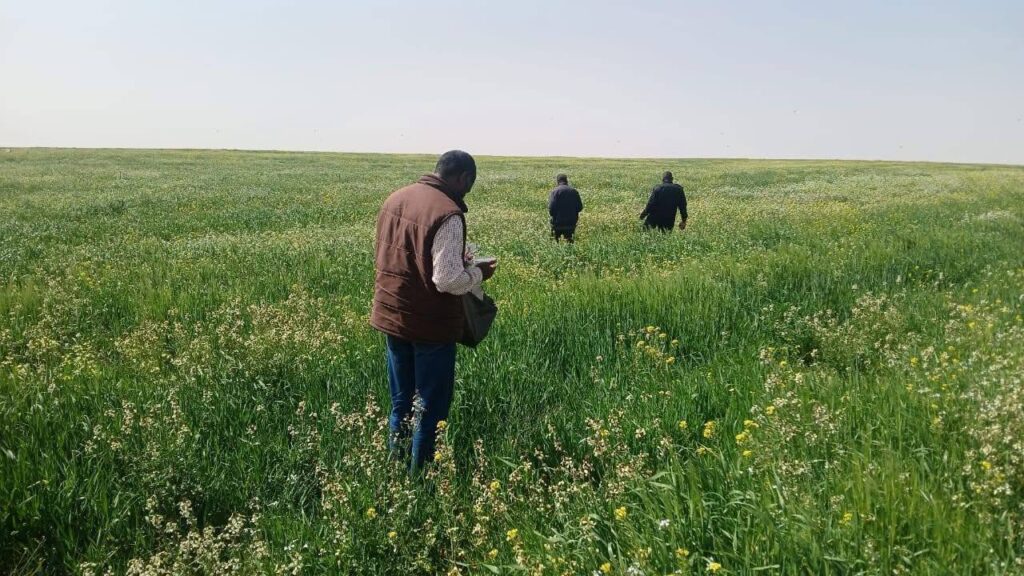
<point>823,375</point>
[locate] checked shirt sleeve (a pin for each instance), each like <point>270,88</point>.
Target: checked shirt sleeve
<point>451,275</point>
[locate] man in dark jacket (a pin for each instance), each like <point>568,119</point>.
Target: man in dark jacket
<point>421,274</point>
<point>665,199</point>
<point>564,206</point>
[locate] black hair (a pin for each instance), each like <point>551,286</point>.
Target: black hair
<point>561,179</point>
<point>666,177</point>
<point>455,162</point>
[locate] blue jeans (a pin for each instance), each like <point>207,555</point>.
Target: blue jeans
<point>429,371</point>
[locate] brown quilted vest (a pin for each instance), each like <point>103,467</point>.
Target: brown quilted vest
<point>405,302</point>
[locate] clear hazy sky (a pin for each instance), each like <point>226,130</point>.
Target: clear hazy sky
<point>817,79</point>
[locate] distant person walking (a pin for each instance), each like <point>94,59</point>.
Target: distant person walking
<point>564,206</point>
<point>666,198</point>
<point>421,273</point>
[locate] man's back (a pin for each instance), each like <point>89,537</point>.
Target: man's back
<point>661,208</point>
<point>406,302</point>
<point>564,206</point>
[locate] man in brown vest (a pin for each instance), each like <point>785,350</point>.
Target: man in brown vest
<point>421,274</point>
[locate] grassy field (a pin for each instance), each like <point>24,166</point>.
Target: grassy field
<point>823,375</point>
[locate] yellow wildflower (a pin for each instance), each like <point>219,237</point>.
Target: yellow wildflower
<point>392,535</point>
<point>371,512</point>
<point>492,554</point>
<point>986,465</point>
<point>682,424</point>
<point>742,437</point>
<point>750,424</point>
<point>748,453</point>
<point>495,486</point>
<point>670,360</point>
<point>914,361</point>
<point>512,534</point>
<point>709,429</point>
<point>606,567</point>
<point>847,518</point>
<point>620,513</point>
<point>682,553</point>
<point>675,342</point>
<point>769,409</point>
<point>662,336</point>
<point>702,450</point>
<point>443,424</point>
<point>782,363</point>
<point>714,567</point>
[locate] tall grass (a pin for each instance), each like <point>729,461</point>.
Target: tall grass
<point>822,375</point>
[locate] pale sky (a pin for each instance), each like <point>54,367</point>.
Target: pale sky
<point>868,79</point>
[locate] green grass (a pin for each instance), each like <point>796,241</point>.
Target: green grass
<point>188,383</point>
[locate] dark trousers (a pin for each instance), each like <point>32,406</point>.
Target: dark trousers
<point>559,233</point>
<point>426,370</point>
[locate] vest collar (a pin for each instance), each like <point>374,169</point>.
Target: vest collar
<point>435,181</point>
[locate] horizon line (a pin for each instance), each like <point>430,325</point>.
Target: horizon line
<point>518,156</point>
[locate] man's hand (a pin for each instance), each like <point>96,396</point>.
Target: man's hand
<point>682,224</point>
<point>488,269</point>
